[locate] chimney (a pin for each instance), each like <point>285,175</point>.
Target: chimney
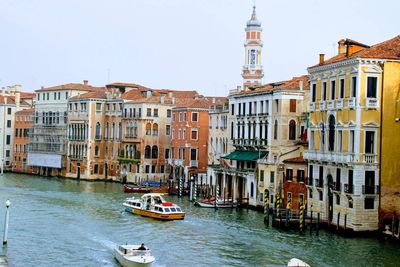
<point>162,99</point>
<point>173,101</point>
<point>17,95</point>
<point>342,47</point>
<point>170,94</point>
<point>85,82</point>
<point>301,85</point>
<point>213,100</point>
<point>321,58</point>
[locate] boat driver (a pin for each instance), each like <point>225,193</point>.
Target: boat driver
<point>142,247</point>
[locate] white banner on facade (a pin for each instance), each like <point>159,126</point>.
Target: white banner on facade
<point>44,160</point>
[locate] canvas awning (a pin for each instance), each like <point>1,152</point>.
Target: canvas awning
<point>245,155</point>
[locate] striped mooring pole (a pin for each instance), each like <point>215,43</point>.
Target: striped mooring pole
<point>195,191</point>
<point>266,209</point>
<point>180,186</point>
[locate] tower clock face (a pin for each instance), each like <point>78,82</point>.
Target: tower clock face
<point>252,57</point>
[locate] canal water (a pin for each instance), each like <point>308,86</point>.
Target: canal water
<point>58,222</point>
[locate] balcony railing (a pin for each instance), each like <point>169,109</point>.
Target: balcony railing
<point>370,158</point>
<point>97,137</point>
<point>312,106</point>
<point>194,163</point>
<point>349,188</point>
<point>249,142</point>
<point>371,103</point>
<point>337,187</point>
<point>331,104</point>
<point>351,102</point>
<point>319,183</point>
<point>370,190</point>
<point>339,103</point>
<point>322,105</point>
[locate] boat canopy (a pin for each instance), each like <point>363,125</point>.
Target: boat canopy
<point>245,155</point>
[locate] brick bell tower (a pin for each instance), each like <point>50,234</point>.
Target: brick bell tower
<point>252,69</point>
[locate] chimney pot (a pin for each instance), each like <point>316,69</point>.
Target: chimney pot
<point>85,82</point>
<point>321,58</point>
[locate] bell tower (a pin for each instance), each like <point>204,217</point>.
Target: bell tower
<point>252,69</point>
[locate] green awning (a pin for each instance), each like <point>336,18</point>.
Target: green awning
<point>245,155</point>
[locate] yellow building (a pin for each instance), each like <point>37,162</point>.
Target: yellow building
<point>347,95</point>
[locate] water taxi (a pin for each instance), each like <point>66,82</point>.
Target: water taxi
<point>133,256</point>
<point>155,206</point>
<point>297,263</point>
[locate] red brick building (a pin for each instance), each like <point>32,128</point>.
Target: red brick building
<point>294,182</point>
<point>23,125</point>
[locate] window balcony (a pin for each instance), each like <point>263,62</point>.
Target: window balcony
<point>194,163</point>
<point>339,103</point>
<point>331,104</point>
<point>370,158</point>
<point>371,103</point>
<point>337,187</point>
<point>351,102</point>
<point>322,105</point>
<point>348,188</point>
<point>370,190</point>
<point>312,107</point>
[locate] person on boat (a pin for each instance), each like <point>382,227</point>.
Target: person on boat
<point>142,247</point>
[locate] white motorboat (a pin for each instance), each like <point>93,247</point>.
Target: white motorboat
<point>297,263</point>
<point>210,203</point>
<point>132,256</point>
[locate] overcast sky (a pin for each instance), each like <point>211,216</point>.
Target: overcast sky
<point>176,44</point>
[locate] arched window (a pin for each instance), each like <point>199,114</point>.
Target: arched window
<point>126,151</point>
<point>96,151</point>
<point>331,137</point>
<point>107,130</point>
<point>154,152</point>
<point>113,131</point>
<point>147,152</point>
<point>131,151</point>
<point>119,131</point>
<point>292,130</point>
<point>276,130</point>
<point>98,130</point>
<point>148,129</point>
<point>155,129</point>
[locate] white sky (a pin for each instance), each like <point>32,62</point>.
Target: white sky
<point>176,44</point>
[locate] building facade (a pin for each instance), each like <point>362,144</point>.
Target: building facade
<point>345,146</point>
<point>23,125</point>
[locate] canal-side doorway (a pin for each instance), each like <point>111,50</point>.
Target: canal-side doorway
<point>330,197</point>
<point>78,171</point>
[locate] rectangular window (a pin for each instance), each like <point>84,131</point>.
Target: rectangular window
<point>168,129</point>
<point>292,105</point>
<point>194,134</point>
<point>338,176</point>
<point>300,176</point>
<point>193,154</point>
<point>66,95</point>
<point>314,92</point>
<point>38,97</point>
<point>341,88</point>
<point>162,169</point>
<point>8,123</point>
<point>8,139</point>
<point>351,141</point>
<point>55,96</point>
<point>156,112</point>
<point>340,140</point>
<point>166,155</point>
<point>272,177</point>
<point>7,153</point>
<point>310,172</point>
<point>353,86</point>
<point>333,89</point>
<point>244,108</point>
<point>369,142</point>
<point>180,116</point>
<point>289,174</point>
<point>98,107</point>
<point>369,203</point>
<point>9,111</point>
<point>147,169</point>
<point>195,116</point>
<point>232,109</point>
<point>153,168</point>
<point>261,176</point>
<point>96,168</point>
<point>323,91</point>
<point>16,132</point>
<point>184,116</point>
<point>372,87</point>
<point>148,113</point>
<point>169,113</point>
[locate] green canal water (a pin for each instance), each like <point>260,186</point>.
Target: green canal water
<point>57,222</point>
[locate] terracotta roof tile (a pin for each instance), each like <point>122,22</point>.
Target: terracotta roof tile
<point>197,103</point>
<point>295,160</point>
<point>389,49</point>
<point>100,93</point>
<point>69,86</point>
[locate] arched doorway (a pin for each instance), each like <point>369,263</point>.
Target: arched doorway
<point>330,197</point>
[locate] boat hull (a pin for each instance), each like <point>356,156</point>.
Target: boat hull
<point>128,189</point>
<point>156,215</point>
<point>129,261</point>
<point>212,205</point>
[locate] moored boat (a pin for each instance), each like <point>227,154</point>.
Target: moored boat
<point>155,206</point>
<point>135,189</point>
<point>210,203</point>
<point>297,263</point>
<point>132,256</point>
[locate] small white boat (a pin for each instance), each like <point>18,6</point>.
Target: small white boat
<point>210,203</point>
<point>131,256</point>
<point>297,263</point>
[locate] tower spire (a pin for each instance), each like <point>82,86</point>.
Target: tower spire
<point>252,69</point>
